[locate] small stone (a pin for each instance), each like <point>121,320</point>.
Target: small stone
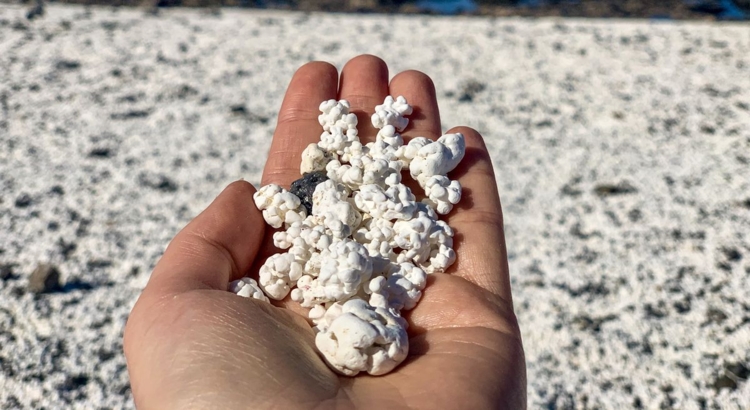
<point>68,65</point>
<point>44,279</point>
<point>304,188</point>
<point>101,152</point>
<point>622,188</point>
<point>24,201</point>
<point>36,11</point>
<point>470,89</point>
<point>158,182</point>
<point>6,270</point>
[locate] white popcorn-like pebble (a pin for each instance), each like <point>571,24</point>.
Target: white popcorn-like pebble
<point>285,239</point>
<point>376,234</point>
<point>390,137</point>
<point>392,112</point>
<point>279,273</point>
<point>437,158</point>
<point>279,206</point>
<point>396,202</point>
<point>377,171</point>
<point>363,255</point>
<point>344,266</point>
<point>336,114</point>
<point>315,234</point>
<point>400,289</point>
<point>337,214</point>
<point>413,237</point>
<point>406,153</point>
<point>442,193</point>
<point>379,149</point>
<point>314,159</point>
<point>442,254</point>
<point>340,141</point>
<point>363,338</point>
<point>364,170</point>
<point>248,288</point>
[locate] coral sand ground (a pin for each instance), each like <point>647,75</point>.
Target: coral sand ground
<point>621,149</point>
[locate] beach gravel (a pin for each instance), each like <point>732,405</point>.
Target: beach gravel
<point>621,149</point>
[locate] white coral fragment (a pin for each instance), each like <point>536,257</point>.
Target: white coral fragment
<point>336,114</point>
<point>278,274</point>
<point>343,268</point>
<point>248,288</point>
<point>285,239</point>
<point>363,338</point>
<point>314,158</point>
<point>340,141</point>
<point>437,158</point>
<point>396,202</point>
<point>363,170</point>
<point>278,205</point>
<point>315,233</point>
<point>335,211</point>
<point>406,153</point>
<point>376,234</point>
<point>392,112</point>
<point>363,254</point>
<point>442,254</point>
<point>442,193</point>
<point>413,237</point>
<point>400,289</point>
<point>390,137</point>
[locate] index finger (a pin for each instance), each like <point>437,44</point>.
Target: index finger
<point>298,124</point>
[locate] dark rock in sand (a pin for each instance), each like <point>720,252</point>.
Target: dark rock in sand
<point>36,11</point>
<point>44,279</point>
<point>23,201</point>
<point>622,188</point>
<point>6,270</point>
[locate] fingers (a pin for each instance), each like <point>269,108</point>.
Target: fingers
<point>477,220</point>
<point>419,91</point>
<point>298,124</point>
<point>364,83</point>
<point>479,212</point>
<point>218,246</point>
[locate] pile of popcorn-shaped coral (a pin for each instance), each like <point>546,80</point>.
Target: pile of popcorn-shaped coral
<point>359,246</point>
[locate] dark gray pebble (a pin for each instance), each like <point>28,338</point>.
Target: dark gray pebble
<point>36,11</point>
<point>23,201</point>
<point>622,188</point>
<point>305,187</point>
<point>6,270</point>
<point>44,279</point>
<point>157,181</point>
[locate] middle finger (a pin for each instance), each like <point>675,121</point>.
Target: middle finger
<point>364,83</point>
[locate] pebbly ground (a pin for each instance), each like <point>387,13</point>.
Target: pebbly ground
<point>622,151</point>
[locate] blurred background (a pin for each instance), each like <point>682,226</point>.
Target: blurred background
<point>666,9</point>
<point>620,141</point>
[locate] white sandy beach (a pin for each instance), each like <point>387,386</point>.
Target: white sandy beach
<point>621,148</point>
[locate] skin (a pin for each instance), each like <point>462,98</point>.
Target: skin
<point>190,344</point>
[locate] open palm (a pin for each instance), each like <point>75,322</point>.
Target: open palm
<point>191,344</point>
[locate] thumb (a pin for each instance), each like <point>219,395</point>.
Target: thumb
<point>218,246</point>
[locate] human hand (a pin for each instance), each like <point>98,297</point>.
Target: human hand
<point>190,343</point>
